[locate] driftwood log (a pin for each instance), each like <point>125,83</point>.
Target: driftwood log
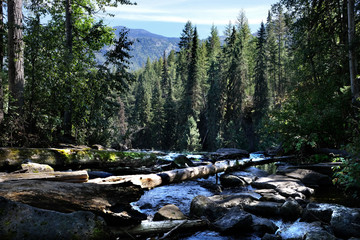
<point>73,177</point>
<point>157,227</point>
<point>148,181</point>
<point>112,201</point>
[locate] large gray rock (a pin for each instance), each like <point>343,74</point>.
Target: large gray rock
<point>229,180</point>
<point>265,209</point>
<point>169,212</point>
<point>229,153</point>
<point>287,187</point>
<point>235,221</point>
<point>31,167</point>
<point>345,222</point>
<point>306,176</point>
<point>270,195</point>
<point>21,221</point>
<point>291,210</point>
<point>238,200</point>
<point>317,212</point>
<point>261,226</point>
<point>202,206</point>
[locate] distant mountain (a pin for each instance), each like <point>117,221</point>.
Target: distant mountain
<point>146,45</point>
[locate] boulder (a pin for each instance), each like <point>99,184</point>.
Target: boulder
<point>202,206</point>
<point>270,195</point>
<point>31,167</point>
<point>265,209</point>
<point>169,212</point>
<point>345,221</point>
<point>291,210</point>
<point>287,187</point>
<point>238,200</point>
<point>21,221</point>
<point>269,236</point>
<point>229,180</point>
<point>183,162</point>
<point>234,221</point>
<point>261,226</point>
<point>319,234</point>
<point>306,176</point>
<point>317,212</point>
<point>229,153</point>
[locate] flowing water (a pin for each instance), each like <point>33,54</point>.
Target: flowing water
<point>181,194</point>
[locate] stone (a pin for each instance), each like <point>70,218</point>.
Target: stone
<point>262,226</point>
<point>183,162</point>
<point>270,195</point>
<point>229,201</point>
<point>229,180</point>
<point>306,176</point>
<point>235,220</point>
<point>291,210</point>
<point>264,209</point>
<point>21,221</point>
<point>31,167</point>
<point>269,236</point>
<point>345,221</point>
<point>320,234</point>
<point>229,153</point>
<point>169,212</point>
<point>202,206</point>
<point>317,212</point>
<point>287,187</point>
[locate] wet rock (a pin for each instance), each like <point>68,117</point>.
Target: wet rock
<point>269,236</point>
<point>291,210</point>
<point>169,212</point>
<point>229,153</point>
<point>182,161</point>
<point>202,206</point>
<point>21,221</point>
<point>345,221</point>
<point>31,167</point>
<point>261,226</point>
<point>265,209</point>
<point>306,176</point>
<point>98,174</point>
<point>236,220</point>
<point>270,195</point>
<point>287,187</point>
<point>238,200</point>
<point>320,234</point>
<point>229,180</point>
<point>317,212</point>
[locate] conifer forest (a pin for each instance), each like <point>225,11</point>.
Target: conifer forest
<point>293,84</point>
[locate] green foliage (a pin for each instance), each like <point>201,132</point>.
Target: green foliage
<point>348,175</point>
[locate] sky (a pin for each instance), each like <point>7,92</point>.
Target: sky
<point>168,17</point>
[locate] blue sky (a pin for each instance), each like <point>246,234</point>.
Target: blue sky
<point>168,17</point>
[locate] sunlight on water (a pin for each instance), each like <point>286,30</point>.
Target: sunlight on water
<point>296,230</point>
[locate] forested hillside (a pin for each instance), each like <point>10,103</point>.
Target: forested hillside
<point>294,84</point>
<point>145,45</point>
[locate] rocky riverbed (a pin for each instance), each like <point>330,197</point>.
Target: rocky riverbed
<point>247,204</point>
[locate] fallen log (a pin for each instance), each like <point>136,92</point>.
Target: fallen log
<point>148,181</point>
<point>156,227</point>
<point>72,177</point>
<point>110,201</point>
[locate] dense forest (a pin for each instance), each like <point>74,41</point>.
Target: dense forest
<point>292,84</point>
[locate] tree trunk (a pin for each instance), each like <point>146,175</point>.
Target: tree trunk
<point>352,60</point>
<point>16,54</point>
<point>156,227</point>
<point>2,32</point>
<point>68,61</point>
<point>72,177</point>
